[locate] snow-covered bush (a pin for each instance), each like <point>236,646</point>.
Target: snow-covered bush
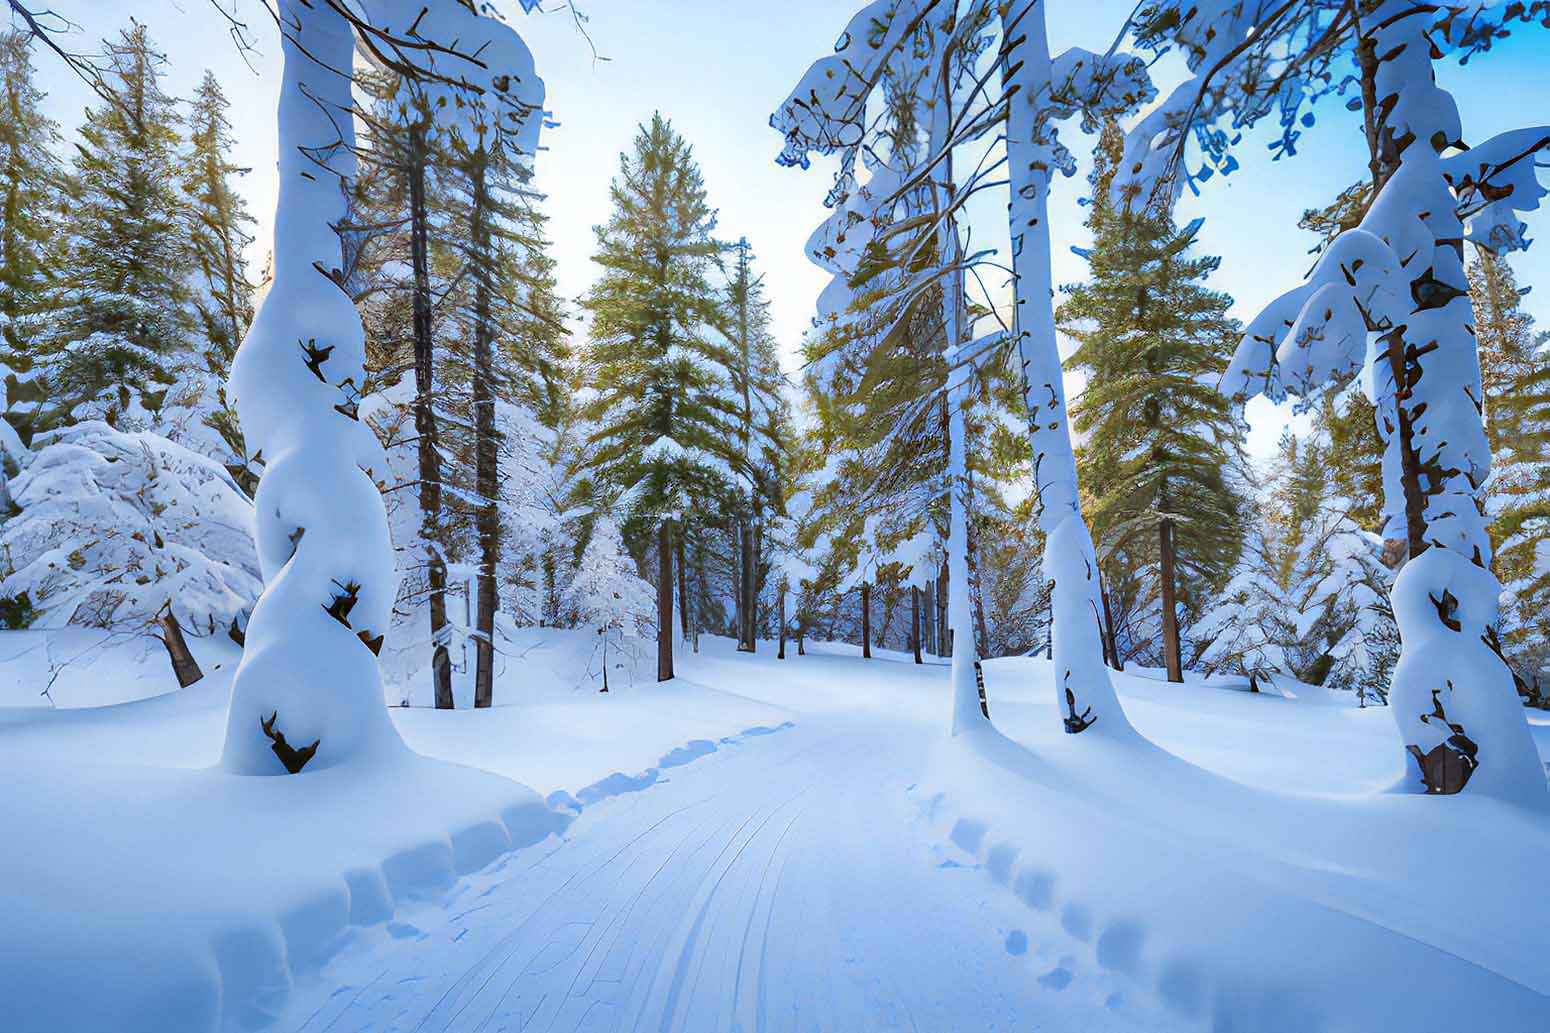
<point>607,593</point>
<point>112,529</point>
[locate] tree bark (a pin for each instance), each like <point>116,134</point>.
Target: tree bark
<point>1108,625</point>
<point>683,590</point>
<point>780,652</point>
<point>944,632</point>
<point>1170,617</point>
<point>866,620</point>
<point>665,600</point>
<point>915,622</point>
<point>425,418</point>
<point>486,451</point>
<point>184,666</point>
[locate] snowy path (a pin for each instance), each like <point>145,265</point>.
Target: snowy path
<point>785,882</point>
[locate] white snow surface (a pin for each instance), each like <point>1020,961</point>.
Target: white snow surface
<point>764,844</point>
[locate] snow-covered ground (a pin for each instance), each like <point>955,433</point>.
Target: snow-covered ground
<point>763,845</point>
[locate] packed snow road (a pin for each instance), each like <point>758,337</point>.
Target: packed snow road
<point>785,881</point>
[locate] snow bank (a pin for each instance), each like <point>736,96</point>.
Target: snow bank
<point>1147,865</point>
<point>147,889</point>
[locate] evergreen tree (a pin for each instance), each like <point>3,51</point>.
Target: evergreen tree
<point>120,322</point>
<point>763,428</point>
<point>29,191</point>
<point>1152,341</point>
<point>217,222</point>
<point>1515,374</point>
<point>664,421</point>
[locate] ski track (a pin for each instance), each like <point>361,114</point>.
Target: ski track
<point>790,882</point>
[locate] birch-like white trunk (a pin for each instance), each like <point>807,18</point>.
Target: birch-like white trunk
<point>1085,695</point>
<point>321,528</point>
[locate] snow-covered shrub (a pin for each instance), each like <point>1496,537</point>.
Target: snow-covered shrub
<point>112,528</point>
<point>607,593</point>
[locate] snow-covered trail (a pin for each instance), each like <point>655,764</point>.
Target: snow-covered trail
<point>786,881</point>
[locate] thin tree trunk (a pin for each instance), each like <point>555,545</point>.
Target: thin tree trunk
<point>604,633</point>
<point>425,419</point>
<point>1108,625</point>
<point>184,666</point>
<point>866,620</point>
<point>486,452</point>
<point>944,633</point>
<point>915,622</point>
<point>1170,617</point>
<point>780,653</point>
<point>683,590</point>
<point>665,601</point>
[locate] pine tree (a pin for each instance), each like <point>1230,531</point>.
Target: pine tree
<point>664,420</point>
<point>30,179</point>
<point>763,428</point>
<point>1152,341</point>
<point>121,321</point>
<point>217,224</point>
<point>1515,374</point>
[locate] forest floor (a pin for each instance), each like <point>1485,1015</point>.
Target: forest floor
<point>798,845</point>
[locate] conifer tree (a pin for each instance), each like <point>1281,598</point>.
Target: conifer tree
<point>763,427</point>
<point>1515,374</point>
<point>29,191</point>
<point>218,231</point>
<point>1152,341</point>
<point>120,322</point>
<point>664,420</point>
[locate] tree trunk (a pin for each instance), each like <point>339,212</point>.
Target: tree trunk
<point>604,633</point>
<point>184,666</point>
<point>780,653</point>
<point>1170,617</point>
<point>486,450</point>
<point>425,420</point>
<point>944,631</point>
<point>915,622</point>
<point>1108,625</point>
<point>866,620</point>
<point>665,600</point>
<point>683,591</point>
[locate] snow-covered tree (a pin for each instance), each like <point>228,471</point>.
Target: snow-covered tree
<point>119,324</point>
<point>1515,373</point>
<point>606,592</point>
<point>130,532</point>
<point>1159,439</point>
<point>30,179</point>
<point>217,224</point>
<point>665,423</point>
<point>1391,296</point>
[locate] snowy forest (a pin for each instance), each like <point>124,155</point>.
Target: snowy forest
<point>507,523</point>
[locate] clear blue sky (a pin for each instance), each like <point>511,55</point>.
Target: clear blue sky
<point>717,68</point>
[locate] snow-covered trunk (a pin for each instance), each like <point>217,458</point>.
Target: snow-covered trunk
<point>1453,697</point>
<point>486,442</point>
<point>967,715</point>
<point>310,668</point>
<point>426,434</point>
<point>1085,696</point>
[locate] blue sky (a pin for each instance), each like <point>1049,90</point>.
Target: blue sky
<point>717,68</point>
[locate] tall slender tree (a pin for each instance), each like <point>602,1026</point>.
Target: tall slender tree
<point>122,320</point>
<point>664,419</point>
<point>30,181</point>
<point>1160,439</point>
